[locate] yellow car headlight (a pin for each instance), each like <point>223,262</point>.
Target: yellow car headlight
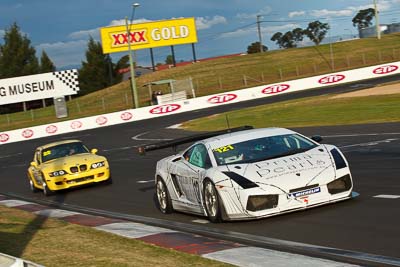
<point>98,165</point>
<point>57,173</point>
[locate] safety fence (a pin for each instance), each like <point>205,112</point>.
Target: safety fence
<point>130,115</point>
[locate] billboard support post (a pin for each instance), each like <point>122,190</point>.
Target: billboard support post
<point>132,67</point>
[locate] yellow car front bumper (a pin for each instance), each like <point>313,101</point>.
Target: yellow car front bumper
<point>78,179</point>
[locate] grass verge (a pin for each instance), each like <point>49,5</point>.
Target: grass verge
<point>312,111</point>
<point>53,242</point>
<point>226,74</point>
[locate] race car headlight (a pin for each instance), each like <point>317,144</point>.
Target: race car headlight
<point>98,165</point>
<point>340,185</point>
<point>262,202</point>
<point>57,173</point>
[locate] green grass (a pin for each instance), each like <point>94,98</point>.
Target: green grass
<point>226,74</point>
<point>51,242</point>
<point>313,111</point>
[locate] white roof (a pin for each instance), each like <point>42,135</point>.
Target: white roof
<point>236,137</point>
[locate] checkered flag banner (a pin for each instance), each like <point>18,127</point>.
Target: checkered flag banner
<point>69,78</point>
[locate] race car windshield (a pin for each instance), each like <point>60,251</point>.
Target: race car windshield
<point>63,150</point>
<point>260,149</point>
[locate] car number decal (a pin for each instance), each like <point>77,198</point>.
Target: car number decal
<point>224,149</point>
<point>46,153</point>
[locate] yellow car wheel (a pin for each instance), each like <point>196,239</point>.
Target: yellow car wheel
<point>32,186</point>
<point>46,190</point>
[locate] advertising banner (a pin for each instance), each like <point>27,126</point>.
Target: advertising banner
<point>39,86</point>
<point>324,82</point>
<point>148,35</point>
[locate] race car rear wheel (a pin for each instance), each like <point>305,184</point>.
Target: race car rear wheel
<point>163,197</point>
<point>211,202</point>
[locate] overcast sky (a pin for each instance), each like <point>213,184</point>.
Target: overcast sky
<point>62,27</point>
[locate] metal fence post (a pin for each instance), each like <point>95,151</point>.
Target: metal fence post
<point>280,73</point>
<point>103,103</point>
<point>78,107</point>
<point>32,115</point>
<point>220,82</point>
<point>363,58</point>
<point>244,80</point>
<point>126,100</point>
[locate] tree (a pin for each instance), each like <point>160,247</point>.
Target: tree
<point>94,74</point>
<point>363,18</point>
<point>277,38</point>
<point>298,35</point>
<point>255,48</point>
<point>17,56</point>
<point>46,65</point>
<point>169,60</point>
<point>316,31</point>
<point>289,39</point>
<point>122,63</point>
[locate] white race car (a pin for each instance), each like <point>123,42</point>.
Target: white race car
<point>249,174</point>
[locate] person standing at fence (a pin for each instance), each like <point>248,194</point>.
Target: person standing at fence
<point>154,98</point>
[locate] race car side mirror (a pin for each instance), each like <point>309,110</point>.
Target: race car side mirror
<point>317,138</point>
<point>177,159</point>
<point>94,151</point>
<point>34,164</point>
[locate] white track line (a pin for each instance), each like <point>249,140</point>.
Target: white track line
<point>145,181</point>
<point>357,135</point>
<point>387,196</point>
<point>137,138</point>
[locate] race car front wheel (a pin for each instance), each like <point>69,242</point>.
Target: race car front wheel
<point>46,190</point>
<point>211,202</point>
<point>32,186</point>
<point>164,200</point>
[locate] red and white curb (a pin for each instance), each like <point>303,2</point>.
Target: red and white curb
<point>211,248</point>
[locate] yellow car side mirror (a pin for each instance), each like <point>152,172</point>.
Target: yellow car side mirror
<point>34,164</point>
<point>94,151</point>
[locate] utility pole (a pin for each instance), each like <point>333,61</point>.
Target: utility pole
<point>378,28</point>
<point>259,33</point>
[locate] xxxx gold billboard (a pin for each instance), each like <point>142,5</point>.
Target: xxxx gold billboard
<point>148,35</point>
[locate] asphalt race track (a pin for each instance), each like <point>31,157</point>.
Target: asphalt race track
<point>368,223</point>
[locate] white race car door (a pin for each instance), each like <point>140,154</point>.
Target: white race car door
<point>187,175</point>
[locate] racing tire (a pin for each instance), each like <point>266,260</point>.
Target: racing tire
<point>47,191</point>
<point>211,202</point>
<point>32,186</point>
<point>109,181</point>
<point>163,197</point>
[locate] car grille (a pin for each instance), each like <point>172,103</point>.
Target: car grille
<point>80,168</point>
<point>91,177</point>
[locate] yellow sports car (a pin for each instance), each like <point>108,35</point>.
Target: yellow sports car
<point>66,164</point>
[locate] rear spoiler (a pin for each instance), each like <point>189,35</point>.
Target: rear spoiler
<point>192,138</point>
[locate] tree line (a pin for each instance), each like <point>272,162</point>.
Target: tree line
<point>18,58</point>
<point>316,31</point>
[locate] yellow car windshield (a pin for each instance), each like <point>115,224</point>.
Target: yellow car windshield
<point>63,150</point>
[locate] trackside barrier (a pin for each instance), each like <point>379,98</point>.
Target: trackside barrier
<point>131,115</point>
<point>9,261</point>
